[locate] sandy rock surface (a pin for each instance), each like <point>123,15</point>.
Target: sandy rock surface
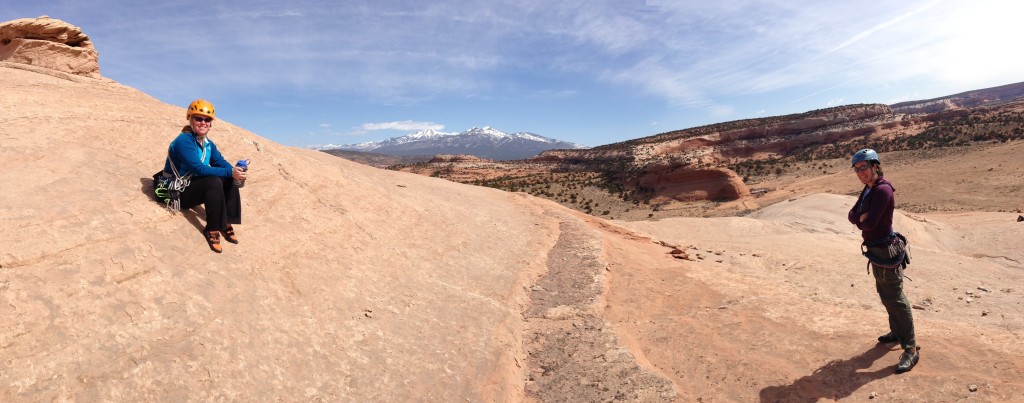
<point>349,283</point>
<point>778,306</point>
<point>358,284</point>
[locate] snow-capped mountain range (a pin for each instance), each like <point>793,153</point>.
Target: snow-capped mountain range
<point>484,142</point>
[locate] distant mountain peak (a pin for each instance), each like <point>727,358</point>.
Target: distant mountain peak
<point>427,133</point>
<point>484,142</point>
<point>486,130</point>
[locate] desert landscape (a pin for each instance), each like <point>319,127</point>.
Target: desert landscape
<point>711,170</point>
<point>354,283</point>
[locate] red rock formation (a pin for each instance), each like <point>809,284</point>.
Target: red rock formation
<point>782,147</point>
<point>579,156</point>
<point>809,121</point>
<point>928,107</point>
<point>440,158</point>
<point>49,43</point>
<point>969,99</point>
<point>683,184</point>
<point>683,146</point>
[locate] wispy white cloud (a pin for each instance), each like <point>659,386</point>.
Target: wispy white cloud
<point>707,57</point>
<point>652,75</point>
<point>736,48</point>
<point>686,53</point>
<point>884,24</point>
<point>404,125</point>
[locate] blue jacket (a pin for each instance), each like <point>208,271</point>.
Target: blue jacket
<point>189,156</point>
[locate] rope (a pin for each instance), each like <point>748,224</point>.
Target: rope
<point>176,186</point>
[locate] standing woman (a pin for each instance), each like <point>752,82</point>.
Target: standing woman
<point>872,214</point>
<point>193,155</point>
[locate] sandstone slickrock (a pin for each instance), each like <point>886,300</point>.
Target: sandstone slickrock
<point>350,283</point>
<point>359,284</point>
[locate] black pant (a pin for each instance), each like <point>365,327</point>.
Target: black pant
<point>220,198</point>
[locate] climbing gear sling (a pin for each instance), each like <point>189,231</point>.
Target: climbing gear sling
<point>169,185</point>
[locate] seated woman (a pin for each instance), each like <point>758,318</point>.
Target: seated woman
<point>193,155</point>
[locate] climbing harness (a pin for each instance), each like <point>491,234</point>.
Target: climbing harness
<point>888,252</point>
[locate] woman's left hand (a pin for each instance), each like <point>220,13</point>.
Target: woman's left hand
<point>863,217</point>
<point>238,173</point>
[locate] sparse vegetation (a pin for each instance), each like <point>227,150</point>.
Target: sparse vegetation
<point>756,149</point>
<point>944,129</point>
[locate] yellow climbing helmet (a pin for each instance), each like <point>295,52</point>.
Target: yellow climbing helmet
<point>200,107</point>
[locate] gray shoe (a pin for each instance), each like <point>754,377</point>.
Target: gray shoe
<point>888,338</point>
<point>908,360</point>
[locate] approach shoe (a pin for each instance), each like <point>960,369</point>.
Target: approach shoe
<point>908,360</point>
<point>213,238</point>
<point>888,338</point>
<point>229,235</point>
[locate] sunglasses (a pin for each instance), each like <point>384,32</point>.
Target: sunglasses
<point>862,168</point>
<point>202,119</point>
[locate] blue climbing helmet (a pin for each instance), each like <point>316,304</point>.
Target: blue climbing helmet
<point>866,154</point>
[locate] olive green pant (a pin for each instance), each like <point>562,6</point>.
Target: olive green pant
<point>889,284</point>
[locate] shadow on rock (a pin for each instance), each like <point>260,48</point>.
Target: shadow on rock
<point>193,215</point>
<point>835,380</point>
<point>146,187</point>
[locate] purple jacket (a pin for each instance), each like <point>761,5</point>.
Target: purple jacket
<point>878,202</point>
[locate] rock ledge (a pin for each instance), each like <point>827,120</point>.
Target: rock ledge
<point>49,43</point>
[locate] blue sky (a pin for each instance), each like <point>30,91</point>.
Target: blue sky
<point>307,72</point>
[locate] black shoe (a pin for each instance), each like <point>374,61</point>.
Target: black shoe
<point>888,338</point>
<point>908,360</point>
